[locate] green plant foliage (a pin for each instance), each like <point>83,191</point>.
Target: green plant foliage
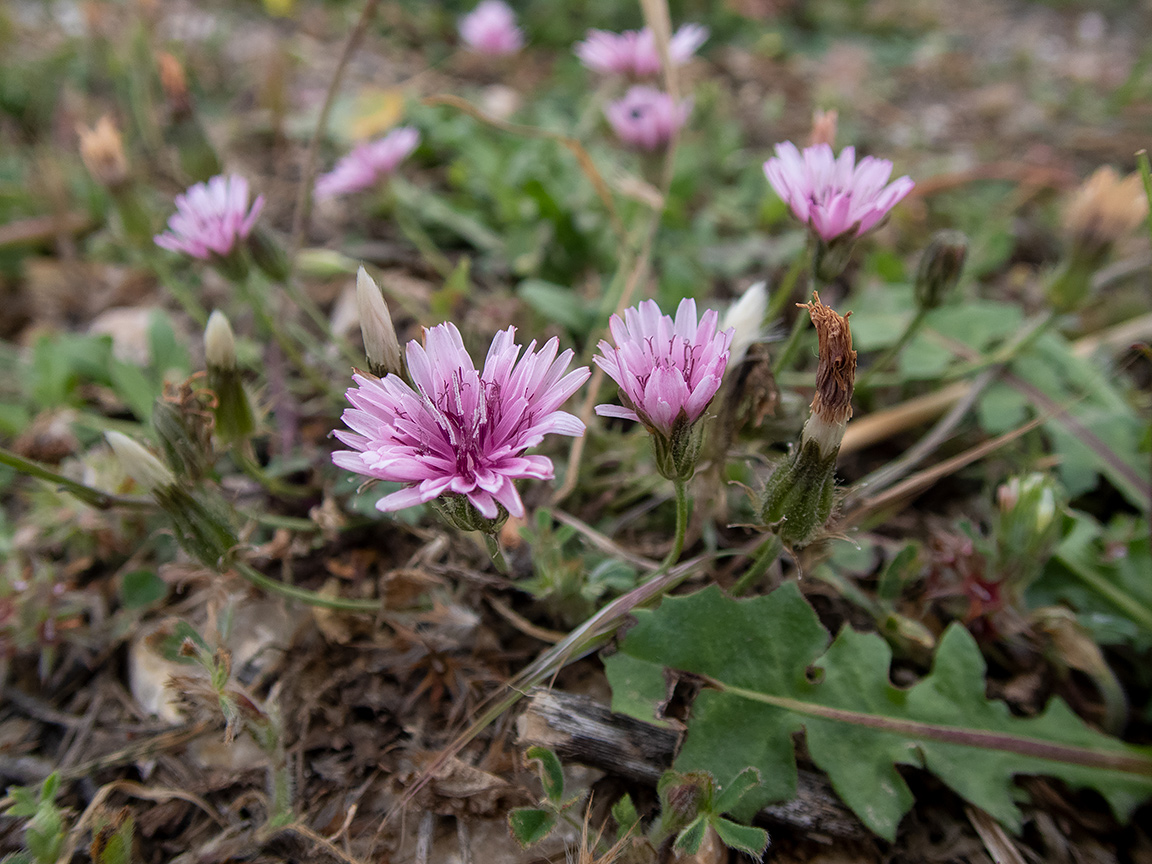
<point>774,673</point>
<point>141,588</point>
<point>551,773</point>
<point>45,830</point>
<point>531,824</point>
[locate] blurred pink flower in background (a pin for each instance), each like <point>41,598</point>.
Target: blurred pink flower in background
<point>834,196</point>
<point>491,28</point>
<point>668,371</point>
<point>363,167</point>
<point>461,431</point>
<point>646,118</point>
<point>211,218</point>
<point>633,52</point>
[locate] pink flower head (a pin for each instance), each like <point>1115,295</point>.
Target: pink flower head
<point>210,218</point>
<point>668,371</point>
<point>491,28</point>
<point>461,431</point>
<point>633,52</point>
<point>646,118</point>
<point>834,196</point>
<point>367,163</point>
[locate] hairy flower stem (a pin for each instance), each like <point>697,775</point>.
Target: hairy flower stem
<point>683,511</point>
<point>788,352</point>
<point>787,288</point>
<point>92,497</point>
<point>764,558</point>
<point>495,553</point>
<point>910,331</point>
<point>1146,177</point>
<point>248,464</point>
<point>291,592</point>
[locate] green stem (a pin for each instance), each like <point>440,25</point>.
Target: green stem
<point>787,287</point>
<point>248,464</point>
<point>494,551</point>
<point>1132,607</point>
<point>1146,176</point>
<point>291,592</point>
<point>912,328</point>
<point>89,495</point>
<point>683,509</point>
<point>765,557</point>
<point>788,354</point>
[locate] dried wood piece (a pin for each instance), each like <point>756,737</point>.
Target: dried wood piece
<point>582,730</point>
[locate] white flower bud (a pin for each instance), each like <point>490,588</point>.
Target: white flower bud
<point>219,342</point>
<point>380,343</point>
<point>139,464</point>
<point>746,317</point>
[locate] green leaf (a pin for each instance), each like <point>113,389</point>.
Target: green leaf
<point>531,825</point>
<point>551,773</point>
<point>730,795</point>
<point>773,673</point>
<point>627,819</point>
<point>133,386</point>
<point>752,841</point>
<point>558,304</point>
<point>170,646</point>
<point>141,588</point>
<point>689,840</point>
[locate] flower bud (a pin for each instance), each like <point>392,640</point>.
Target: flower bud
<point>235,420</point>
<point>148,471</point>
<point>1025,528</point>
<point>746,318</point>
<point>201,522</point>
<point>940,268</point>
<point>185,433</point>
<point>380,343</point>
<point>823,128</point>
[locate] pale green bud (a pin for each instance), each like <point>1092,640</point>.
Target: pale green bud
<point>219,342</point>
<point>148,471</point>
<point>746,318</point>
<point>940,268</point>
<point>380,342</point>
<point>235,420</point>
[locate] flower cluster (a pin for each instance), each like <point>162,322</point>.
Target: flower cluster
<point>458,431</point>
<point>211,218</point>
<point>646,118</point>
<point>491,29</point>
<point>634,52</point>
<point>367,163</point>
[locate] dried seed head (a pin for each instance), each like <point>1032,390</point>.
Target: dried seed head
<point>823,128</point>
<point>102,150</point>
<point>1103,210</point>
<point>835,377</point>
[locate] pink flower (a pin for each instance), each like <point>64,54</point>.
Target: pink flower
<point>210,218</point>
<point>668,371</point>
<point>491,28</point>
<point>367,163</point>
<point>834,196</point>
<point>646,118</point>
<point>633,52</point>
<point>461,431</point>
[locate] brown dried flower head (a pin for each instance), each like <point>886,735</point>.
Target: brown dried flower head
<point>1104,209</point>
<point>174,82</point>
<point>102,150</point>
<point>835,376</point>
<point>823,128</point>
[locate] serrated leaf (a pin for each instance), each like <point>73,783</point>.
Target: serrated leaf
<point>531,825</point>
<point>750,840</point>
<point>859,726</point>
<point>551,773</point>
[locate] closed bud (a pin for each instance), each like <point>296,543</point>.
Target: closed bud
<point>174,83</point>
<point>148,471</point>
<point>940,268</point>
<point>268,255</point>
<point>184,431</point>
<point>746,318</point>
<point>235,420</point>
<point>202,523</point>
<point>1025,528</point>
<point>380,342</point>
<point>683,796</point>
<point>823,128</point>
<point>219,342</point>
